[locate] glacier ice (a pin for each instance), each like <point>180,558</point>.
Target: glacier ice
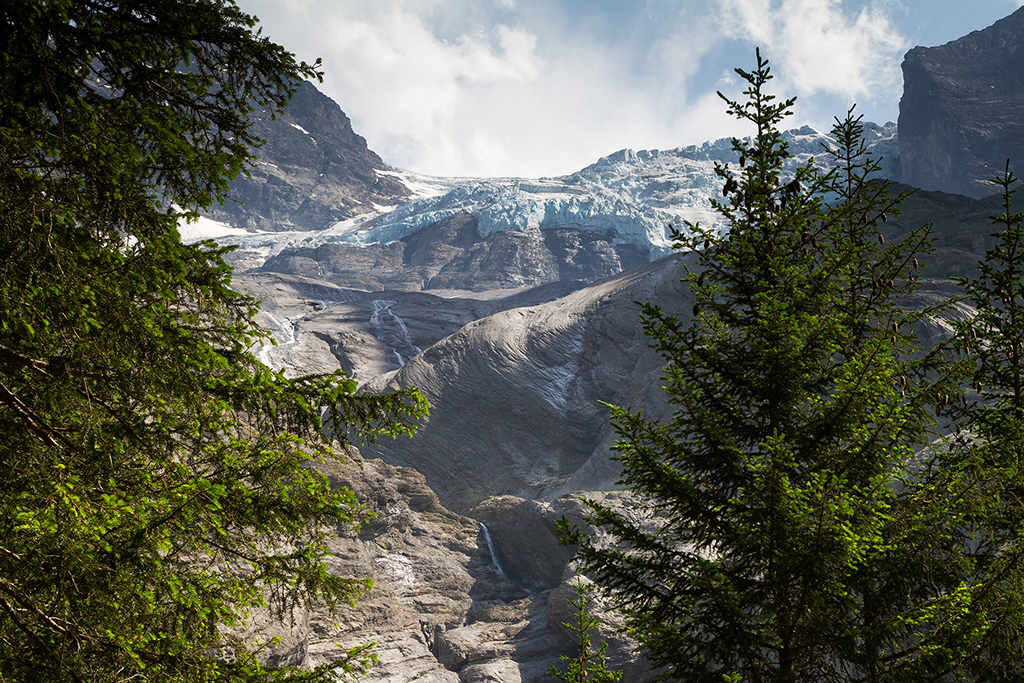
<point>631,195</point>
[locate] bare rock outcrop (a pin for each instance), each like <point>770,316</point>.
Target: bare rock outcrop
<point>525,540</point>
<point>450,254</point>
<point>516,396</point>
<point>313,171</point>
<point>317,326</point>
<point>962,111</point>
<point>441,608</point>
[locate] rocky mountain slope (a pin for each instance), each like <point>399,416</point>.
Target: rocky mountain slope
<point>448,604</point>
<point>312,172</point>
<point>319,204</point>
<point>516,396</point>
<point>317,326</point>
<point>962,111</point>
<point>515,410</point>
<point>515,377</point>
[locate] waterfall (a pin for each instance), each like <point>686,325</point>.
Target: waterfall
<point>286,334</point>
<point>383,317</point>
<point>490,547</point>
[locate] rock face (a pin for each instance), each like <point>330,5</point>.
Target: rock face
<point>451,254</point>
<point>514,380</point>
<point>515,396</point>
<point>316,326</point>
<point>441,609</point>
<point>515,377</point>
<point>313,171</point>
<point>962,111</point>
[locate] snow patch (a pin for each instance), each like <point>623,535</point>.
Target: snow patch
<point>559,378</point>
<point>204,228</point>
<point>421,186</point>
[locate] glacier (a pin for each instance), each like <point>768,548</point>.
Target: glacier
<point>634,195</point>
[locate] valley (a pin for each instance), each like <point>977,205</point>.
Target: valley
<point>511,304</point>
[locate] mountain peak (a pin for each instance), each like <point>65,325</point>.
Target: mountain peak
<point>313,171</point>
<point>962,111</point>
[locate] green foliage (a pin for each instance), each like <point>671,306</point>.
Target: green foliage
<point>995,334</point>
<point>158,481</point>
<point>589,664</point>
<point>791,531</point>
<point>991,450</point>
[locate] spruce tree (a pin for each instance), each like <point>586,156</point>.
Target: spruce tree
<point>783,494</point>
<point>990,451</point>
<point>588,666</point>
<point>158,482</point>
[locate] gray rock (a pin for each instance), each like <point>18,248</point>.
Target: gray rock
<point>493,671</point>
<point>515,396</point>
<point>318,326</point>
<point>440,610</point>
<point>962,111</point>
<point>525,540</point>
<point>450,254</point>
<point>312,172</point>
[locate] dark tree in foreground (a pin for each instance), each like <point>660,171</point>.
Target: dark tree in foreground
<point>157,481</point>
<point>792,534</point>
<point>991,450</point>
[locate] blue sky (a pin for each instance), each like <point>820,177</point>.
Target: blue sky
<point>546,87</point>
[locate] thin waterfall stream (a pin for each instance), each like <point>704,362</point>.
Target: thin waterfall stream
<point>391,330</point>
<point>490,547</point>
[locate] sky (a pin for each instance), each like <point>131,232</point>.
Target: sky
<point>537,88</point>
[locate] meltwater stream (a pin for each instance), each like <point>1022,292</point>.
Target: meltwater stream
<point>391,330</point>
<point>490,547</point>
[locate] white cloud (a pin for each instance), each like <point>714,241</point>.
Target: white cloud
<point>532,87</point>
<point>415,91</point>
<point>450,88</point>
<point>817,46</point>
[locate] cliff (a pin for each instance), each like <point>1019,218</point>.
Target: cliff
<point>962,111</point>
<point>312,172</point>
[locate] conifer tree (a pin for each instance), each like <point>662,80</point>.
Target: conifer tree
<point>783,494</point>
<point>589,664</point>
<point>991,448</point>
<point>158,482</point>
